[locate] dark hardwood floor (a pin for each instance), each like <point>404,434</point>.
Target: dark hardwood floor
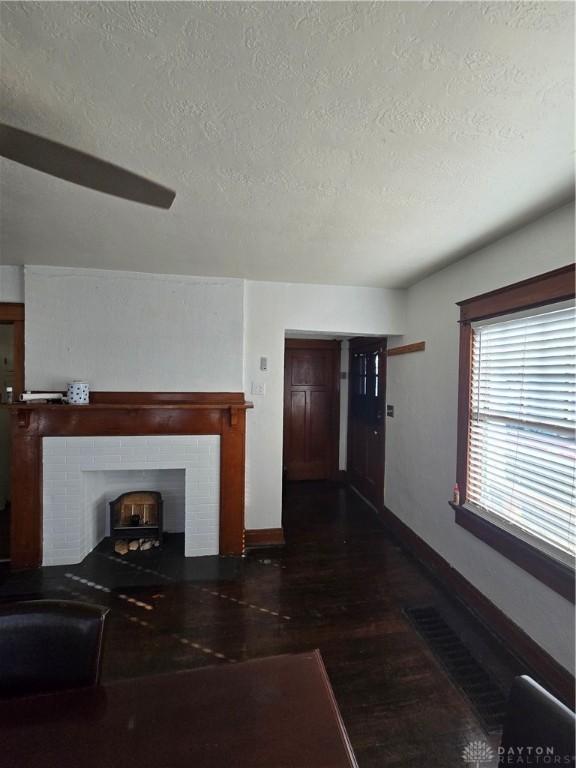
<point>340,584</point>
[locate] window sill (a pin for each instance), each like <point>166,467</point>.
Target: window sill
<point>550,572</point>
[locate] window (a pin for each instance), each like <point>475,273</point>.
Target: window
<point>521,459</point>
<point>517,419</point>
<point>365,378</point>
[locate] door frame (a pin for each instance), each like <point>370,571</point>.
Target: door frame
<point>335,346</point>
<point>358,343</point>
<point>12,313</point>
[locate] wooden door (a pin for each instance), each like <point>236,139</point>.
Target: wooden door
<point>13,315</point>
<point>311,409</point>
<point>11,374</point>
<point>366,418</point>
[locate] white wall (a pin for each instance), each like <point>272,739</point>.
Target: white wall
<point>11,283</point>
<point>421,438</point>
<point>133,331</point>
<point>271,310</point>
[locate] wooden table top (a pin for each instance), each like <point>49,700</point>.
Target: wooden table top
<point>276,712</point>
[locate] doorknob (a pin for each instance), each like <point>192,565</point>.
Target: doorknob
<point>375,431</point>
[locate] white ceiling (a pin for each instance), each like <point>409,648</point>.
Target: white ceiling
<point>354,143</point>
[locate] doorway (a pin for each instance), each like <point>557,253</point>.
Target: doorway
<point>366,418</point>
<point>11,387</point>
<point>311,409</point>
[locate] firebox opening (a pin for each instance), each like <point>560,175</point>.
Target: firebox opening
<point>136,521</point>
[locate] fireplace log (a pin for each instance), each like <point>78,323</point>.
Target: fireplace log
<point>120,547</point>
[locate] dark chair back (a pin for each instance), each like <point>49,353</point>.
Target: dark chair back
<point>49,645</point>
<point>536,719</point>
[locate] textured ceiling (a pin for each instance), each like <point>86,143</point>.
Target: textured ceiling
<point>355,143</point>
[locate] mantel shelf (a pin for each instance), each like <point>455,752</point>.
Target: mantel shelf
<point>128,406</point>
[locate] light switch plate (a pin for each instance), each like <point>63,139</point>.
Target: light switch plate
<point>390,410</point>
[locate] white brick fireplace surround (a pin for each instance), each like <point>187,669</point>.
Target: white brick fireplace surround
<point>73,524</point>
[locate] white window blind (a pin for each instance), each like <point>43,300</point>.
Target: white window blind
<point>522,457</point>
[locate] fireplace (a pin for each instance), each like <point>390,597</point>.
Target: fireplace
<point>81,475</point>
<point>157,418</point>
<point>136,521</point>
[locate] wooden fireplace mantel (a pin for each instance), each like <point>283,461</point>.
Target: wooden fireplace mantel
<point>126,413</point>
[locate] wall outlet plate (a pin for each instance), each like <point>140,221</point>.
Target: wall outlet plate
<point>258,388</point>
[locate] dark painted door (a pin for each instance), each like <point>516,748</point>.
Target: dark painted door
<point>311,409</point>
<point>366,418</point>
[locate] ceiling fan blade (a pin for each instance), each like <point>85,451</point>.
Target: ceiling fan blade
<point>80,168</point>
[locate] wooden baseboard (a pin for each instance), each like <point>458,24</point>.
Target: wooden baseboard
<point>543,667</point>
<point>264,537</point>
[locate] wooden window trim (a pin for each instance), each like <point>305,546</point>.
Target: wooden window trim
<point>549,288</point>
<point>553,573</point>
